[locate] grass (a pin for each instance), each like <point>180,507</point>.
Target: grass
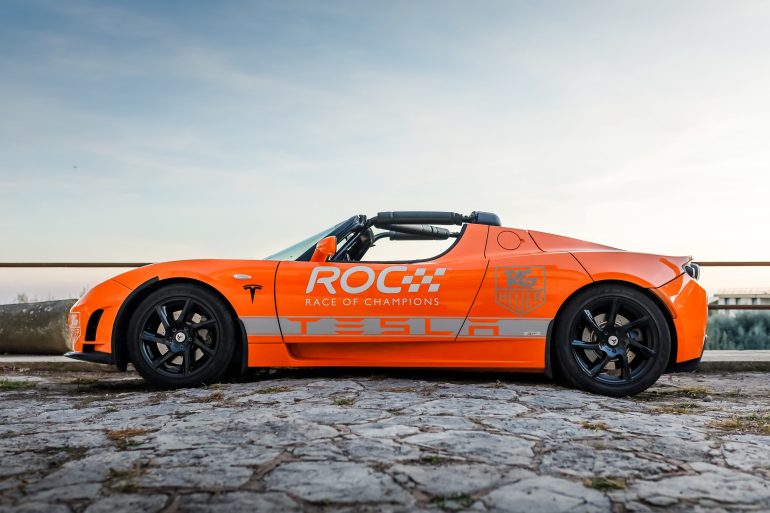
<point>272,390</point>
<point>213,397</point>
<point>595,426</point>
<point>432,459</point>
<point>398,390</point>
<point>127,488</point>
<point>84,381</point>
<point>13,384</point>
<point>679,408</point>
<point>462,499</point>
<point>693,392</point>
<point>88,402</point>
<point>606,483</point>
<point>754,423</point>
<point>122,438</point>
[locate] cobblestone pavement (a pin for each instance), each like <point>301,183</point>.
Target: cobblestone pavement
<point>382,441</point>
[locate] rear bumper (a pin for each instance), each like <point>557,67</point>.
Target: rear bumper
<point>93,357</point>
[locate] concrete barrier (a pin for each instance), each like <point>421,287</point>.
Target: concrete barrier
<point>35,328</point>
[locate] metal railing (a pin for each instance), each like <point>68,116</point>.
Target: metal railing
<point>705,263</point>
<point>719,263</point>
<point>73,264</point>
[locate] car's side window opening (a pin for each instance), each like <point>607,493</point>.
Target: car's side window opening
<point>418,242</point>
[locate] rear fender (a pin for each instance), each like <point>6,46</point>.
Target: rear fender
<point>641,269</point>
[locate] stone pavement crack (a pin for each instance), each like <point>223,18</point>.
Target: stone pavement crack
<point>346,441</point>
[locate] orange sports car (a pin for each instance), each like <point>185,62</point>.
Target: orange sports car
<point>609,321</point>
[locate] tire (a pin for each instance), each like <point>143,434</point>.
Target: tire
<point>615,357</point>
<point>181,336</point>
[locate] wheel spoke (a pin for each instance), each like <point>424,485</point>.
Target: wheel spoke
<point>642,350</point>
<point>184,313</point>
<point>186,363</point>
<point>203,324</point>
<point>161,311</point>
<point>625,369</point>
<point>150,337</point>
<point>157,362</point>
<point>591,320</point>
<point>202,346</point>
<point>582,344</point>
<point>596,369</point>
<point>642,321</point>
<point>613,314</point>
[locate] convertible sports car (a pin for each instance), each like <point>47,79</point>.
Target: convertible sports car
<point>609,321</point>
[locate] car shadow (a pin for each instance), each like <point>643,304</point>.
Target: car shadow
<point>454,376</point>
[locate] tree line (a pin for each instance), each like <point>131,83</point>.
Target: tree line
<point>747,330</point>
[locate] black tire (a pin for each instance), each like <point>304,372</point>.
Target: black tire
<point>181,336</point>
<point>615,357</point>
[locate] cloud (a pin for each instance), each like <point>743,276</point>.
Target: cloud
<point>247,127</point>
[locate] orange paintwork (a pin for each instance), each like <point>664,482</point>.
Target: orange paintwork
<point>688,304</point>
<point>461,309</point>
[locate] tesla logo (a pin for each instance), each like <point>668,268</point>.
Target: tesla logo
<point>252,288</point>
<point>360,278</point>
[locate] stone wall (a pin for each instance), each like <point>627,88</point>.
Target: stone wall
<point>35,328</point>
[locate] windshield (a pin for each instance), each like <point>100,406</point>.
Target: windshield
<point>298,249</point>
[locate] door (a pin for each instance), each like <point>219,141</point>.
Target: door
<point>378,302</point>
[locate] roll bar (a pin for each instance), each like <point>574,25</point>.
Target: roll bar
<point>387,219</point>
<point>415,232</point>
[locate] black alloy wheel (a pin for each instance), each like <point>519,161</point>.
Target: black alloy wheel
<point>181,335</point>
<point>613,340</point>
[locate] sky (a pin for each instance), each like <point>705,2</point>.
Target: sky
<point>150,131</point>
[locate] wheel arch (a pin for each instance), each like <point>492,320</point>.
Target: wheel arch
<point>120,326</point>
<point>552,369</point>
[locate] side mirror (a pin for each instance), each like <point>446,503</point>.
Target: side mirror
<point>325,248</point>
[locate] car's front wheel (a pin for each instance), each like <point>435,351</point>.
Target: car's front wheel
<point>180,336</point>
<point>612,340</point>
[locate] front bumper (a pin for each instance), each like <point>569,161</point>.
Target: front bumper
<point>93,357</point>
<point>92,318</point>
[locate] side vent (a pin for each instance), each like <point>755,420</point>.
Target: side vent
<point>93,323</point>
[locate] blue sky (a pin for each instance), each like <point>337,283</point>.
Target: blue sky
<point>166,130</point>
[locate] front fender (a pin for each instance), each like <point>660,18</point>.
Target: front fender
<point>220,276</point>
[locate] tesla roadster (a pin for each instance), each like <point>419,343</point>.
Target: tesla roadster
<point>608,321</point>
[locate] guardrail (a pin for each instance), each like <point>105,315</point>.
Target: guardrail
<point>706,263</point>
<point>73,264</point>
<point>719,263</point>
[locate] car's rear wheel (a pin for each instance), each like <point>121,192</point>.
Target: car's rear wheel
<point>180,336</point>
<point>612,340</point>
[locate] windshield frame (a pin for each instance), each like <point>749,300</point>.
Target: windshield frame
<point>340,230</point>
